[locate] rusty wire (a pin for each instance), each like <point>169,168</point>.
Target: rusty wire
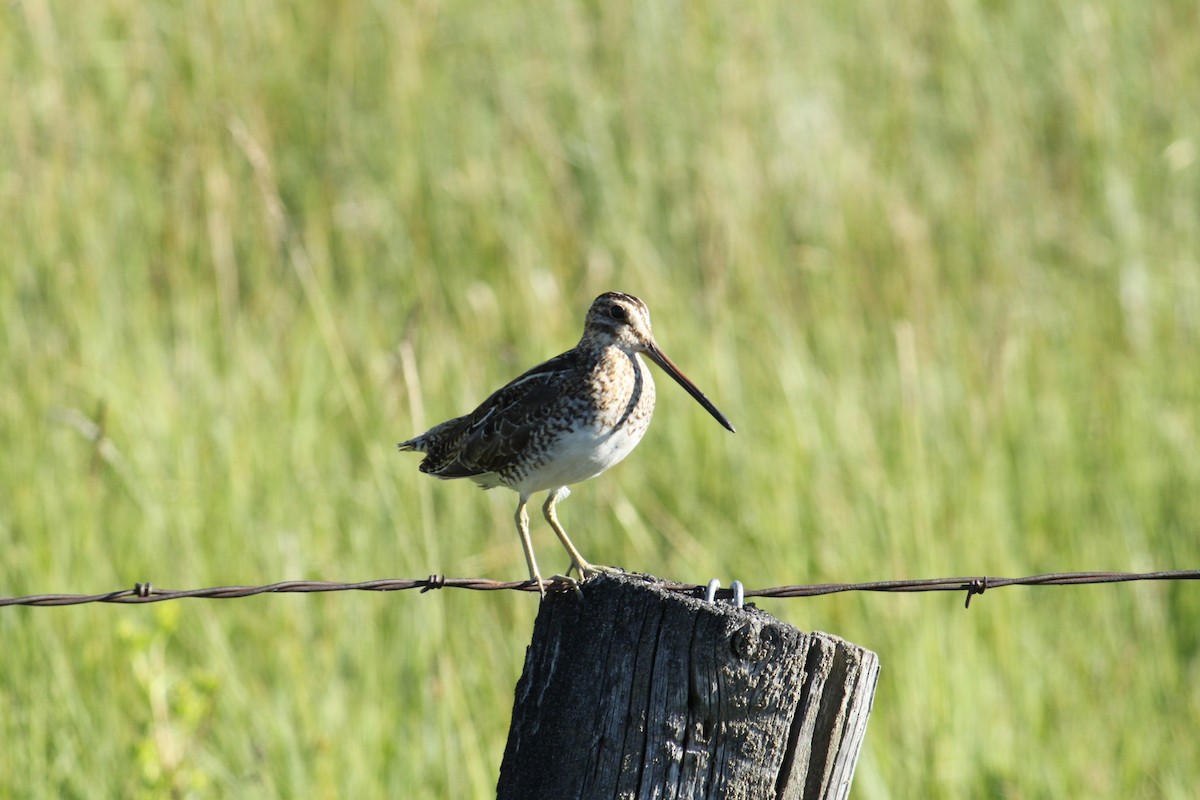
<point>976,585</point>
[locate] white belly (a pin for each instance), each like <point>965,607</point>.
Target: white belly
<point>579,455</point>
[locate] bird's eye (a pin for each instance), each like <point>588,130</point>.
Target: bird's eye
<point>617,312</point>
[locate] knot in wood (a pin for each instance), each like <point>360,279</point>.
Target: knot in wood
<point>750,643</point>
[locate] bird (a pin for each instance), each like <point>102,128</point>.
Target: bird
<point>562,422</point>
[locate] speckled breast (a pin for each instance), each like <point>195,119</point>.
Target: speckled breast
<point>594,430</point>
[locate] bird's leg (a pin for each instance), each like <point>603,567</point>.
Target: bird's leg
<point>527,545</point>
<point>578,562</point>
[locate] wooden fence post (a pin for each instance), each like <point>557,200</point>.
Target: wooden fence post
<point>635,691</point>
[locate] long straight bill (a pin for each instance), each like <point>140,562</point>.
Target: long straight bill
<point>660,358</point>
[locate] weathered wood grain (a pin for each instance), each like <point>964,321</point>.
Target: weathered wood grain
<point>633,691</point>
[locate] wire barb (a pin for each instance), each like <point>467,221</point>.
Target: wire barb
<point>977,586</point>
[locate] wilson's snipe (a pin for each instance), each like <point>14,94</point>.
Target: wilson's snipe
<point>562,422</point>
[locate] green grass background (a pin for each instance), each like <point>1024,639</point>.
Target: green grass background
<point>936,260</point>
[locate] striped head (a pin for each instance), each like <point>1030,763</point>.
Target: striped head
<point>623,321</point>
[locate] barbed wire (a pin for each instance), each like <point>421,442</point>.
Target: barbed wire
<point>977,585</point>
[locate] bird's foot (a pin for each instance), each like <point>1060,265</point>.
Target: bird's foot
<point>587,570</point>
<point>573,583</point>
<point>535,578</point>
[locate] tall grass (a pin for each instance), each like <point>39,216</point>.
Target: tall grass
<point>937,262</point>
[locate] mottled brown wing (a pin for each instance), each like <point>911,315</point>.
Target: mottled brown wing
<point>493,436</point>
